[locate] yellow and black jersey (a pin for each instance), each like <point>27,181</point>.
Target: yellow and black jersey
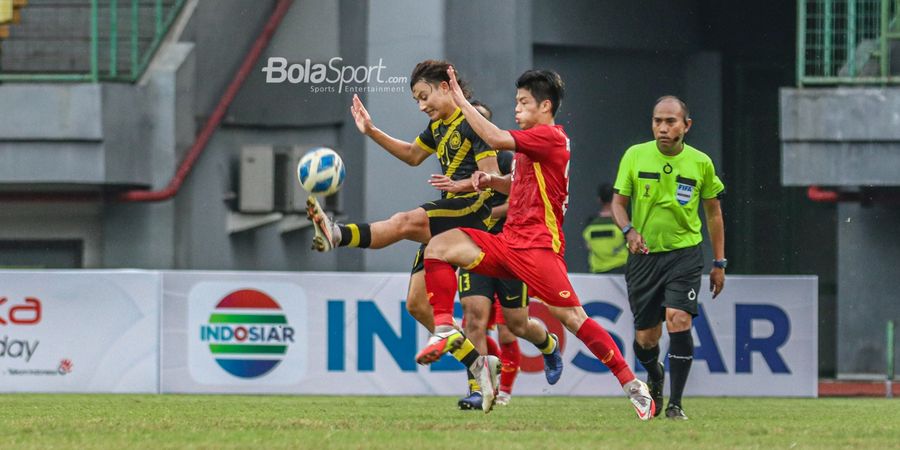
<point>457,147</point>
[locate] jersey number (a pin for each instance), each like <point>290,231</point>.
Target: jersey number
<point>465,283</point>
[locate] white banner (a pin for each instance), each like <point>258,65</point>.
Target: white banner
<point>349,333</point>
<point>79,331</point>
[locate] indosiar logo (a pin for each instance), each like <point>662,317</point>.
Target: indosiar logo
<point>248,334</point>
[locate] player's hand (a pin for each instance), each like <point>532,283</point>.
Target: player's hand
<point>456,91</point>
<point>636,243</point>
<point>716,281</point>
<point>444,183</point>
<point>361,116</point>
<point>481,180</point>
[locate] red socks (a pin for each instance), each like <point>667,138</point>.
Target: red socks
<point>510,357</point>
<point>604,348</point>
<point>440,284</point>
<point>492,347</point>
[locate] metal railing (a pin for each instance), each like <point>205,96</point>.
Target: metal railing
<point>86,40</point>
<point>848,42</point>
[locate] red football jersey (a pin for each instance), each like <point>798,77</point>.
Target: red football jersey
<point>539,194</point>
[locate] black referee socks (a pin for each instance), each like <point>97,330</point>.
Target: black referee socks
<point>681,355</point>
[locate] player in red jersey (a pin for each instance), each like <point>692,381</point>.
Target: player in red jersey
<point>531,245</point>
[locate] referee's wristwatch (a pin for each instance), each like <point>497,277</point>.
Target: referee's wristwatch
<point>720,263</point>
<point>626,229</point>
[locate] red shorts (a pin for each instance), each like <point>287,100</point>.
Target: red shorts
<point>541,269</point>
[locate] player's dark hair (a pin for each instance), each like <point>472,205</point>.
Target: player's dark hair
<point>681,103</point>
<point>477,103</point>
<point>433,71</point>
<point>605,192</point>
<point>543,85</point>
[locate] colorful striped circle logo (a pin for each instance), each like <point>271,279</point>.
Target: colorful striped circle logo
<point>248,334</point>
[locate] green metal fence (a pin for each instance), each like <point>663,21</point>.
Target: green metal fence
<point>85,40</point>
<point>848,42</point>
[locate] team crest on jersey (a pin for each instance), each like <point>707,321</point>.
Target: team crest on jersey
<point>455,140</point>
<point>684,193</point>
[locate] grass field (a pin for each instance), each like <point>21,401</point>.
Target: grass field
<point>263,422</point>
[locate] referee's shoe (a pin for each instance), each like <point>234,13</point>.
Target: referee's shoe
<point>675,412</point>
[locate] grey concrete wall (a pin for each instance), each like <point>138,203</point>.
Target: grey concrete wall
<point>491,70</point>
<point>390,185</point>
<point>142,235</point>
<point>354,19</point>
<point>311,31</point>
<point>868,255</point>
<point>50,221</point>
<point>53,112</point>
<point>223,31</point>
<point>190,231</point>
<point>51,133</point>
<point>653,25</point>
<point>840,137</point>
<point>850,137</point>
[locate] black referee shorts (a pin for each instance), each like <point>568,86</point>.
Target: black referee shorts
<point>457,212</point>
<point>657,281</point>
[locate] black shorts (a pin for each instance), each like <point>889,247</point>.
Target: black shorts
<point>449,213</point>
<point>663,280</point>
<point>510,293</point>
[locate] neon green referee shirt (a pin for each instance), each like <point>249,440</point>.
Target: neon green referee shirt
<point>665,193</point>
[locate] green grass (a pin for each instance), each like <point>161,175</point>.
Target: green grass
<point>263,422</point>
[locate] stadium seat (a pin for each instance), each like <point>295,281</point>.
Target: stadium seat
<point>10,13</point>
<point>6,11</point>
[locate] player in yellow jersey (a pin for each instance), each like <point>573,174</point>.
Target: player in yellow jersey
<point>461,152</point>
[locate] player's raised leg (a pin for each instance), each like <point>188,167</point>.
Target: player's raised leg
<point>410,225</point>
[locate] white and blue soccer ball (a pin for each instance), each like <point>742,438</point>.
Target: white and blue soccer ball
<point>321,171</point>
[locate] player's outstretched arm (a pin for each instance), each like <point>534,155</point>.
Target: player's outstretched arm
<point>408,152</point>
<point>716,227</point>
<point>444,183</point>
<point>483,180</point>
<point>493,136</point>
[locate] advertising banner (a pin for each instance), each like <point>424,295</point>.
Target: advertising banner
<point>79,331</point>
<point>349,333</point>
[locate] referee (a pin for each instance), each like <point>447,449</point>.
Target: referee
<point>665,181</point>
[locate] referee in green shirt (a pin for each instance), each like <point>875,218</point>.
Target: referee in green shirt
<point>665,180</point>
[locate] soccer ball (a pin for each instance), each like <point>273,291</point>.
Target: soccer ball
<point>321,171</point>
